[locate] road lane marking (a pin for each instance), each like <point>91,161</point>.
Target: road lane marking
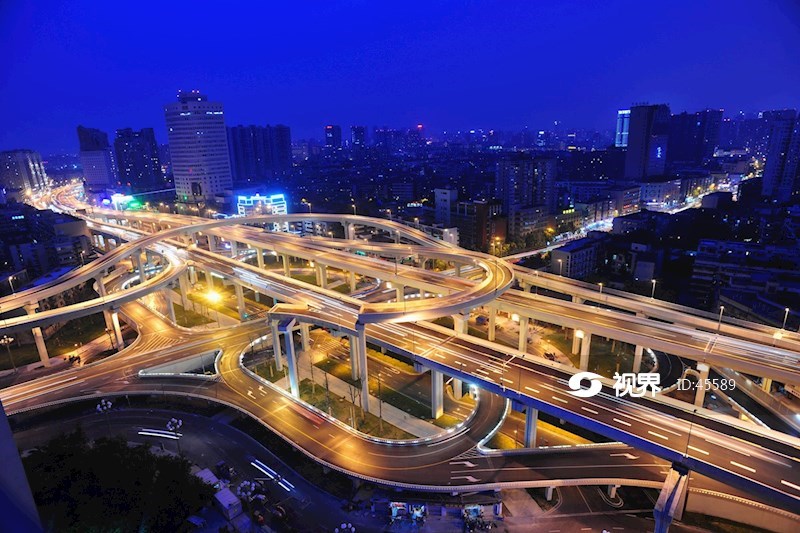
<point>698,450</point>
<point>740,465</point>
<point>659,435</point>
<point>532,389</point>
<point>468,478</point>
<point>795,487</point>
<point>507,380</point>
<point>625,455</point>
<point>556,398</point>
<point>621,422</point>
<point>590,410</point>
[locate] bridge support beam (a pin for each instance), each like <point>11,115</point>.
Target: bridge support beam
<point>352,279</point>
<point>117,329</point>
<point>322,275</point>
<point>38,338</point>
<point>305,337</point>
<point>492,323</point>
<point>237,288</point>
<point>586,344</point>
<point>548,493</point>
<point>612,491</point>
<point>637,359</point>
<point>700,392</point>
<point>437,394</point>
<point>362,363</point>
<point>531,419</point>
<point>183,287</point>
<point>461,323</point>
<point>577,300</point>
<point>766,385</point>
<point>349,231</point>
<point>212,243</point>
<point>523,334</point>
<point>276,346</point>
<point>671,499</point>
<point>354,359</point>
<point>234,248</point>
<point>167,291</point>
<point>401,293</point>
<point>576,342</point>
<point>457,269</point>
<point>137,261</point>
<point>291,362</point>
<point>458,388</point>
<point>259,258</point>
<point>286,266</point>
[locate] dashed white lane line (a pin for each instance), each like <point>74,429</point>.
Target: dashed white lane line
<point>556,398</point>
<point>617,420</point>
<point>740,465</point>
<point>659,435</point>
<point>590,410</point>
<point>698,450</point>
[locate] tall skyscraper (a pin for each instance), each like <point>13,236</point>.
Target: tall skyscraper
<point>647,141</point>
<point>623,126</point>
<point>97,159</point>
<point>358,137</point>
<point>198,144</point>
<point>22,170</point>
<point>333,136</point>
<point>522,181</point>
<point>782,171</point>
<point>693,137</point>
<point>259,153</point>
<point>137,159</point>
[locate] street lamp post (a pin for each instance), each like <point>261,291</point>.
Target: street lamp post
<point>173,425</point>
<point>560,267</point>
<point>601,288</point>
<point>785,318</point>
<point>719,320</point>
<point>11,283</point>
<point>653,292</point>
<point>7,341</point>
<point>380,404</point>
<point>354,208</point>
<point>110,339</point>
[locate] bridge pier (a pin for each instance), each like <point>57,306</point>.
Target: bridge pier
<point>349,231</point>
<point>576,342</point>
<point>305,338</point>
<point>322,275</point>
<point>286,267</point>
<point>700,391</point>
<point>240,301</point>
<point>766,385</point>
<point>461,323</point>
<point>548,493</point>
<point>401,292</point>
<point>458,388</point>
<point>585,346</point>
<point>212,243</point>
<point>612,491</point>
<point>457,269</point>
<point>167,292</point>
<point>38,338</point>
<point>671,499</point>
<point>492,323</point>
<point>234,249</point>
<point>354,373</point>
<point>259,258</point>
<point>137,260</point>
<point>362,363</point>
<point>192,274</point>
<point>637,359</point>
<point>183,287</point>
<point>352,279</point>
<point>291,361</point>
<point>437,394</point>
<point>531,419</point>
<point>276,346</point>
<point>117,329</point>
<point>523,334</point>
<point>577,300</point>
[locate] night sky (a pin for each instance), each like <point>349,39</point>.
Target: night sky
<point>448,65</point>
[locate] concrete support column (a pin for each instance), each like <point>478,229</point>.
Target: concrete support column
<point>492,323</point>
<point>259,258</point>
<point>354,360</point>
<point>212,243</point>
<point>670,500</point>
<point>396,237</point>
<point>525,286</point>
<point>38,338</point>
<point>437,394</point>
<point>234,248</point>
<point>458,388</point>
<point>700,392</point>
<point>531,419</point>
<point>586,344</point>
<point>548,493</point>
<point>291,362</point>
<point>137,260</point>
<point>192,275</point>
<point>523,334</point>
<point>576,342</point>
<point>117,329</point>
<point>637,359</point>
<point>401,293</point>
<point>240,301</point>
<point>612,491</point>
<point>349,231</point>
<point>457,268</point>
<point>461,323</point>
<point>362,363</point>
<point>766,385</point>
<point>167,291</point>
<point>577,300</point>
<point>276,346</point>
<point>322,276</point>
<point>352,278</point>
<point>183,287</point>
<point>286,267</point>
<point>305,337</point>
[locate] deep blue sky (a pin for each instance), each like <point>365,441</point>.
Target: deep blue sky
<point>449,65</point>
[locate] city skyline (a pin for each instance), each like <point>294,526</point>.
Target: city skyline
<point>457,67</point>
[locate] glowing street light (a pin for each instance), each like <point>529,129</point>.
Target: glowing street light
<point>719,320</point>
<point>213,297</point>
<point>560,267</point>
<point>785,317</point>
<point>601,288</point>
<point>653,292</point>
<point>10,282</point>
<point>7,341</point>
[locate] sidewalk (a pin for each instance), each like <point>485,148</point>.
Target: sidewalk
<point>391,414</point>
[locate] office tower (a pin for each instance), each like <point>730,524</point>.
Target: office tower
<point>259,153</point>
<point>22,170</point>
<point>445,202</point>
<point>137,159</point>
<point>358,137</point>
<point>781,179</point>
<point>97,159</point>
<point>198,144</point>
<point>333,136</point>
<point>693,137</point>
<point>522,181</point>
<point>648,132</point>
<point>623,126</point>
<point>545,192</point>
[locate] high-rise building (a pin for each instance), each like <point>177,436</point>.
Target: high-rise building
<point>259,153</point>
<point>781,181</point>
<point>648,133</point>
<point>358,137</point>
<point>97,159</point>
<point>198,144</point>
<point>693,137</point>
<point>333,136</point>
<point>524,181</point>
<point>137,159</point>
<point>623,126</point>
<point>445,202</point>
<point>22,170</point>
